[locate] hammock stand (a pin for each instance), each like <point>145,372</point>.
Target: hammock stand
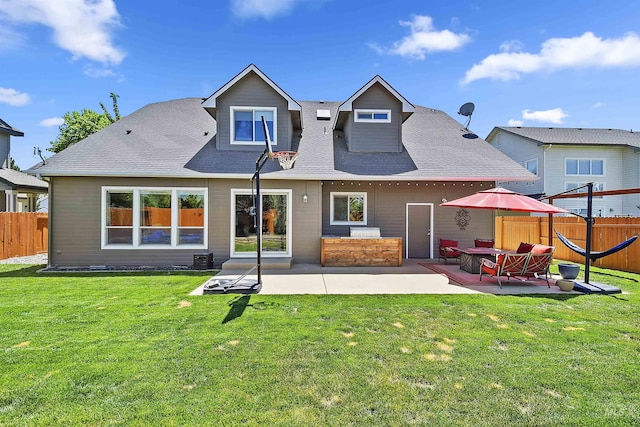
<point>590,256</point>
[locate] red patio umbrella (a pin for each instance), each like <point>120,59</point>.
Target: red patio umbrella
<point>501,198</point>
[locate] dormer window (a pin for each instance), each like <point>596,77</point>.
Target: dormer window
<point>246,124</point>
<point>372,116</point>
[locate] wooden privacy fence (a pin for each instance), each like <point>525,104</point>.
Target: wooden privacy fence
<point>607,232</point>
<point>23,234</point>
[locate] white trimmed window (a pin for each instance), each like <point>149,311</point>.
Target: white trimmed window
<point>532,166</point>
<point>246,125</point>
<point>372,116</point>
<point>597,186</point>
<point>584,167</point>
<point>154,218</point>
<point>348,208</point>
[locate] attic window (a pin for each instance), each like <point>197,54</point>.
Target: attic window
<point>246,124</point>
<point>372,116</point>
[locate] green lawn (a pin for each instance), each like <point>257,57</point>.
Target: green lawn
<point>135,349</point>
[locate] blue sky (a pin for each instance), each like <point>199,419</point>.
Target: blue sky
<point>543,63</point>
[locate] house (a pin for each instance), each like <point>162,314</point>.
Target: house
<point>18,191</point>
<point>172,179</point>
<point>566,158</point>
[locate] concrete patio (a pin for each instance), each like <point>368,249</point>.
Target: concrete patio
<point>413,277</point>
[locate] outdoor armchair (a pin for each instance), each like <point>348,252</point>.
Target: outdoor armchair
<point>538,265</point>
<point>449,249</point>
<point>508,264</point>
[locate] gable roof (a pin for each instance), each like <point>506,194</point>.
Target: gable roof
<point>6,128</point>
<point>210,102</point>
<point>21,181</point>
<point>347,105</point>
<point>574,136</point>
<point>177,139</point>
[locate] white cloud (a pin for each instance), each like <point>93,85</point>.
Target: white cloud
<point>556,115</point>
<point>97,73</point>
<point>82,27</point>
<point>423,39</point>
<point>598,105</point>
<point>584,51</point>
<point>53,121</point>
<point>11,39</point>
<point>266,9</point>
<point>13,97</point>
<point>511,46</point>
<point>515,123</point>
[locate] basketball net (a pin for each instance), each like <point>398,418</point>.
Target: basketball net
<point>285,158</point>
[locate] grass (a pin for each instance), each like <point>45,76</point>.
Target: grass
<point>134,349</point>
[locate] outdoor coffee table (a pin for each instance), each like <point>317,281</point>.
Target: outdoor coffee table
<point>471,258</point>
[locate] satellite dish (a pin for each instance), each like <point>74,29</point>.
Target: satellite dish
<point>467,110</point>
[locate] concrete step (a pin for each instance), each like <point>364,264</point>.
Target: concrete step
<point>265,263</point>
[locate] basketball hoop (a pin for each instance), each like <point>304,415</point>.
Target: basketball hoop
<point>285,158</point>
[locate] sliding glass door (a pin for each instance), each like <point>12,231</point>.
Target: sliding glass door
<point>274,222</point>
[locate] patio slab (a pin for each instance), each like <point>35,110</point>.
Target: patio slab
<point>413,277</point>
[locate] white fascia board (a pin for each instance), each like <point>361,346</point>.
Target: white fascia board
<point>210,102</point>
<point>407,107</point>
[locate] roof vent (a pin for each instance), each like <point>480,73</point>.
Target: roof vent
<point>323,114</point>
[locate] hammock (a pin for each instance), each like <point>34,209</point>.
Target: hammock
<point>596,254</point>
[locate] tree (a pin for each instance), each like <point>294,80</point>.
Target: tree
<point>13,165</point>
<point>116,110</point>
<point>79,125</point>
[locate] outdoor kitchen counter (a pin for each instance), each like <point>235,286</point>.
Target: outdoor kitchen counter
<point>361,251</point>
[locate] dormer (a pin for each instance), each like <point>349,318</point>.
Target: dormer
<point>371,119</point>
<point>6,132</point>
<point>239,105</point>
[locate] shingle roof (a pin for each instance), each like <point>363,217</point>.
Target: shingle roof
<point>19,180</point>
<point>6,128</point>
<point>576,136</point>
<point>177,139</point>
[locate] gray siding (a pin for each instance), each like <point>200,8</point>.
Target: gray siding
<point>5,148</point>
<point>306,227</point>
<point>386,208</point>
<point>522,150</point>
<point>376,137</point>
<point>631,179</point>
<point>252,91</point>
<point>75,206</point>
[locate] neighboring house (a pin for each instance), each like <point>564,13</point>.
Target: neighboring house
<point>19,192</point>
<point>173,179</point>
<point>566,158</point>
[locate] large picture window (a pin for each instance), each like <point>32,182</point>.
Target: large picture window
<point>246,125</point>
<point>584,167</point>
<point>149,218</point>
<point>348,208</point>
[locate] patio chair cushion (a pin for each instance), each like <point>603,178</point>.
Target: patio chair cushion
<point>524,248</point>
<point>484,243</point>
<point>490,267</point>
<point>542,249</point>
<point>444,243</point>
